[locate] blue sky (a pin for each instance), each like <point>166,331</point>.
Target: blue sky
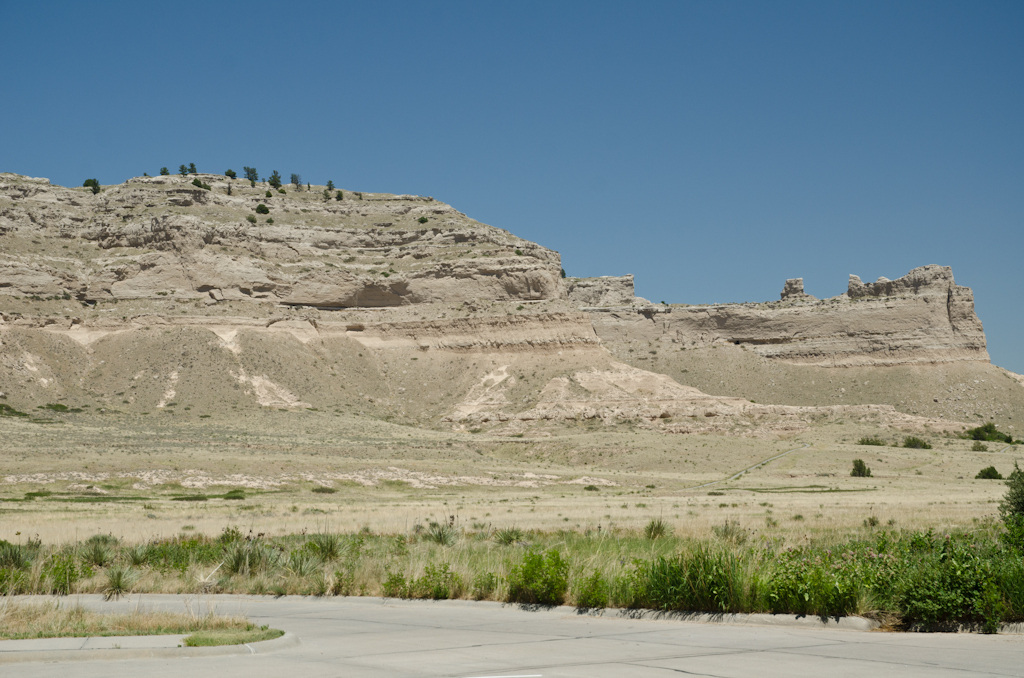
<point>713,149</point>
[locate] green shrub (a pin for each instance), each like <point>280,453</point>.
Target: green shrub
<point>326,545</point>
<point>119,582</point>
<point>323,489</point>
<point>270,220</point>
<point>989,473</point>
<point>262,209</point>
<point>1013,538</point>
<point>60,573</point>
<point>97,553</point>
<point>1012,504</point>
<point>871,440</point>
<point>507,536</point>
<point>657,528</point>
<point>588,488</point>
<point>235,495</point>
<point>250,218</point>
<point>802,581</point>
<point>916,443</point>
<point>988,432</point>
<point>268,194</point>
<point>979,446</point>
<point>249,557</point>
<point>484,585</point>
<point>13,556</point>
<point>706,579</point>
<point>200,184</point>
<point>445,534</point>
<point>339,195</point>
<point>93,184</point>
<point>944,585</point>
<point>860,469</point>
<point>591,592</point>
<point>423,220</point>
<point>394,585</point>
<point>437,583</point>
<point>539,579</point>
<point>230,174</point>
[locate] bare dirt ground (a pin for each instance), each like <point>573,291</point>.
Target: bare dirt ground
<point>140,477</point>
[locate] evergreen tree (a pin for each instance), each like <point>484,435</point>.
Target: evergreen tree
<point>164,171</point>
<point>182,170</point>
<point>275,179</point>
<point>192,168</point>
<point>330,185</point>
<point>251,175</point>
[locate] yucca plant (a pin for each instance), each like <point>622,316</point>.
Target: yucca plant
<point>508,535</point>
<point>120,580</point>
<point>657,528</point>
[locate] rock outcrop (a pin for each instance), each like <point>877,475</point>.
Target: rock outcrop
<point>794,291</point>
<point>921,318</point>
<point>602,291</point>
<point>155,237</point>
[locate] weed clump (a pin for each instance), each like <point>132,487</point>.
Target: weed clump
<point>915,443</point>
<point>871,440</point>
<point>539,579</point>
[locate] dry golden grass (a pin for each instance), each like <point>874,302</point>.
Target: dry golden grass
<point>54,619</point>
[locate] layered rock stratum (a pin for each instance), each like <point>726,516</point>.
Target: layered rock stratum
<point>159,295</point>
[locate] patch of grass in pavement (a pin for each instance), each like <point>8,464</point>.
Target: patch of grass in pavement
<point>230,637</point>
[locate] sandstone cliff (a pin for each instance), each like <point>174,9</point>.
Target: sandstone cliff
<point>922,318</point>
<point>163,236</point>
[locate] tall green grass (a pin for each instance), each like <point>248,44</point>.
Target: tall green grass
<point>919,579</point>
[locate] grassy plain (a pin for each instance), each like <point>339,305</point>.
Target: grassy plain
<point>144,477</point>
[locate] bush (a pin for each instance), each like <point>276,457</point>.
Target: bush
<point>13,556</point>
<point>437,583</point>
<point>591,592</point>
<point>1012,505</point>
<point>706,579</point>
<point>988,432</point>
<point>230,174</point>
<point>860,469</point>
<point>657,528</point>
<point>484,585</point>
<point>60,573</point>
<point>327,546</point>
<point>423,220</point>
<point>989,473</point>
<point>199,184</point>
<point>262,209</point>
<point>867,440</point>
<point>93,184</point>
<point>268,194</point>
<point>539,579</point>
<point>979,446</point>
<point>445,534</point>
<point>339,196</point>
<point>915,443</point>
<point>119,582</point>
<point>508,535</point>
<point>235,494</point>
<point>323,489</point>
<point>250,218</point>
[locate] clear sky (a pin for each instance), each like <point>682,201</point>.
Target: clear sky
<point>713,149</point>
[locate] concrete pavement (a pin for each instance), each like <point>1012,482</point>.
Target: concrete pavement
<point>371,638</point>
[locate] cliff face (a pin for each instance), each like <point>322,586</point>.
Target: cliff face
<point>923,317</point>
<point>154,237</point>
<point>156,294</point>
